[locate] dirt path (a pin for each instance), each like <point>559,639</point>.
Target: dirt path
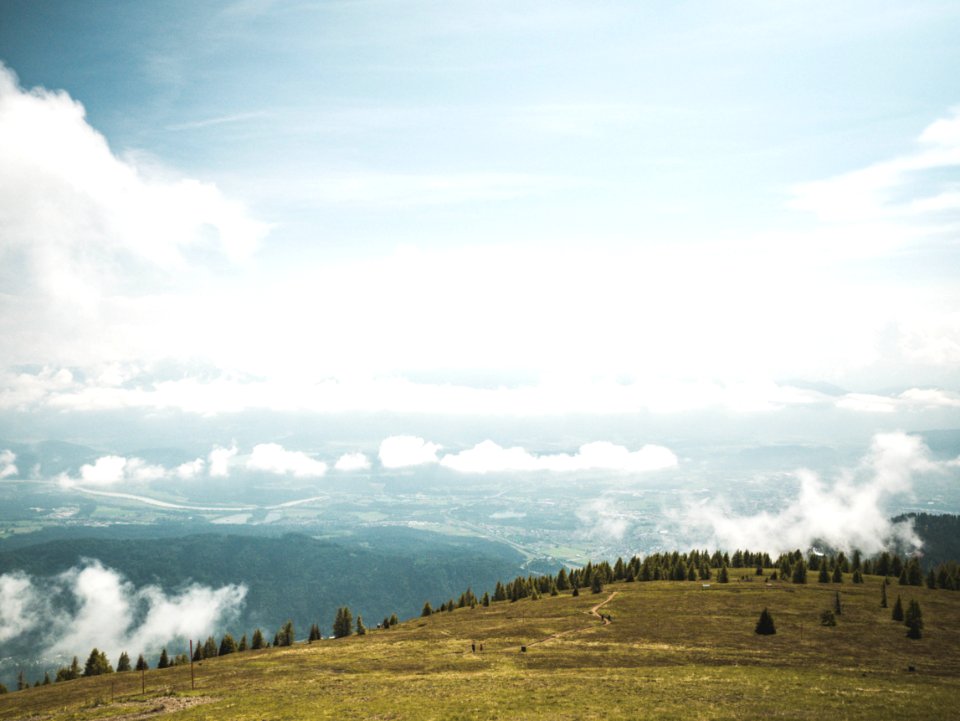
<point>157,706</point>
<point>592,612</point>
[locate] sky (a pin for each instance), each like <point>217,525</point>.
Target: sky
<point>483,210</point>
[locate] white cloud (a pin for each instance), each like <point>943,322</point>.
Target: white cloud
<point>910,400</point>
<point>8,464</point>
<point>114,616</point>
<point>601,520</point>
<point>404,451</point>
<point>352,462</point>
<point>274,458</point>
<point>190,469</point>
<point>220,460</point>
<point>852,513</point>
<point>489,457</point>
<point>112,470</point>
<point>20,605</point>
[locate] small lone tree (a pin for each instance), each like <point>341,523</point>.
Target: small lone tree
<point>393,619</point>
<point>765,625</point>
<point>257,642</point>
<point>897,614</point>
<point>242,646</point>
<point>828,619</point>
<point>142,664</point>
<point>427,609</point>
<point>361,629</point>
<point>164,661</point>
<point>914,620</point>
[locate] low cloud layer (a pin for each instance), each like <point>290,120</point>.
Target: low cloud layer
<point>274,458</point>
<point>853,512</point>
<point>353,462</point>
<point>489,457</point>
<point>94,606</point>
<point>406,451</point>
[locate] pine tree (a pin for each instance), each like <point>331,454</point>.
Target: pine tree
<point>883,595</point>
<point>723,576</point>
<point>824,576</point>
<point>931,579</point>
<point>198,652</point>
<point>800,571</point>
<point>765,625</point>
<point>256,643</point>
<point>285,637</point>
<point>315,633</point>
<point>3,689</point>
<point>243,643</point>
<point>914,620</point>
<point>428,609</point>
<point>857,576</point>
<point>394,620</point>
<point>343,624</point>
<point>361,629</point>
<point>123,663</point>
<point>485,602</point>
<point>836,604</point>
<point>142,664</point>
<point>837,574</point>
<point>576,590</point>
<point>46,675</point>
<point>596,585</point>
<point>227,645</point>
<point>897,614</point>
<point>563,583</point>
<point>97,664</point>
<point>210,647</point>
<point>164,661</point>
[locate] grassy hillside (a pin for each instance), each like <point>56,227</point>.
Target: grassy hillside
<point>674,650</point>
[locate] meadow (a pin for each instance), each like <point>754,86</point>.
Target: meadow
<point>672,650</point>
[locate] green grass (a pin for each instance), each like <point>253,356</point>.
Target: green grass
<point>673,651</point>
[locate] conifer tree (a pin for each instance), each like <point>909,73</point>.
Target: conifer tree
<point>142,664</point>
<point>393,619</point>
<point>486,600</point>
<point>343,624</point>
<point>46,675</point>
<point>256,642</point>
<point>315,633</point>
<point>428,609</point>
<point>576,590</point>
<point>897,614</point>
<point>3,689</point>
<point>765,625</point>
<point>227,645</point>
<point>824,576</point>
<point>931,579</point>
<point>800,571</point>
<point>361,629</point>
<point>596,585</point>
<point>210,648</point>
<point>198,652</point>
<point>123,663</point>
<point>836,604</point>
<point>914,620</point>
<point>164,661</point>
<point>97,664</point>
<point>286,636</point>
<point>242,646</point>
<point>723,576</point>
<point>857,576</point>
<point>837,574</point>
<point>563,583</point>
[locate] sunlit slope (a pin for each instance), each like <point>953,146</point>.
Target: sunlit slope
<point>673,650</point>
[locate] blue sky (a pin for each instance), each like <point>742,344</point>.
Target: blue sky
<point>496,208</point>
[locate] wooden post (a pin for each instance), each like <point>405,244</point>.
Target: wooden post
<point>192,686</point>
